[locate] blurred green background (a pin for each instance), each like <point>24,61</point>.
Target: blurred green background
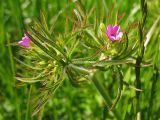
<point>70,103</point>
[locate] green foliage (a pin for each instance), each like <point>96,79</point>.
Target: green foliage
<point>78,73</point>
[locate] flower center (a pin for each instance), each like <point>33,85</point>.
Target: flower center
<point>112,34</point>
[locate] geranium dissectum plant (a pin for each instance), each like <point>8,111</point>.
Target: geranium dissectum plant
<point>79,55</point>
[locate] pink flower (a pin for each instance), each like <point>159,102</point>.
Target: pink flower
<point>25,42</point>
<point>113,33</point>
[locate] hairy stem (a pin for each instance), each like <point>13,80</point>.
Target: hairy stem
<point>138,82</point>
<point>105,95</point>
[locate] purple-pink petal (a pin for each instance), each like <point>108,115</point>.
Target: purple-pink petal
<point>116,29</point>
<point>109,28</point>
<point>113,33</point>
<point>113,38</point>
<point>25,42</point>
<point>119,36</point>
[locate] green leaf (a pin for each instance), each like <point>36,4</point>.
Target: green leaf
<point>42,47</point>
<point>27,65</point>
<point>43,20</point>
<point>50,42</point>
<point>151,32</point>
<point>113,62</point>
<point>91,35</point>
<point>124,49</point>
<point>28,80</point>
